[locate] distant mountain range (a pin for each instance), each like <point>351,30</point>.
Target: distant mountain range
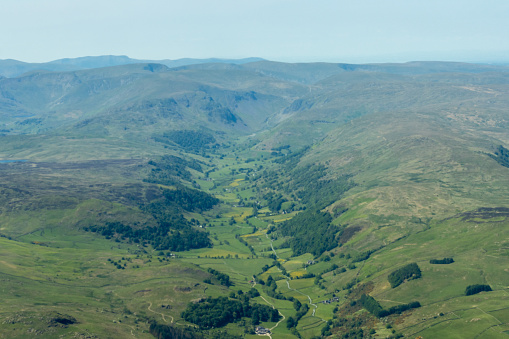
<point>12,68</point>
<point>304,72</point>
<point>106,95</point>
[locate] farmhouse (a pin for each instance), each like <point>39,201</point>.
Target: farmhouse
<point>261,330</point>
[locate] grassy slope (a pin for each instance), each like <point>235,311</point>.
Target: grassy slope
<point>415,170</point>
<point>81,282</point>
<point>47,250</point>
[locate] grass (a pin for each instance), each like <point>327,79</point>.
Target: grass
<point>255,221</point>
<point>85,285</point>
<point>69,270</point>
<point>479,323</point>
<point>444,285</point>
<point>310,326</point>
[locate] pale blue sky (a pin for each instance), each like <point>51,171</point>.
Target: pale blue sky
<point>285,30</point>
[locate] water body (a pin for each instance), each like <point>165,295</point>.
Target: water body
<point>13,160</point>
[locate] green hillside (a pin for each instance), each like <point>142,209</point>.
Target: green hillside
<point>204,201</point>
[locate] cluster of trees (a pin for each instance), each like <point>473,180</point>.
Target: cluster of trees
<point>302,310</point>
<point>161,331</point>
<point>356,333</point>
<point>252,293</point>
<point>274,201</point>
<point>190,140</point>
<point>330,269</point>
<point>280,148</point>
<point>401,308</point>
<point>271,287</point>
<point>244,242</point>
<point>190,199</point>
<point>321,192</point>
<point>373,307</point>
<point>501,155</point>
<point>364,255</point>
<point>118,264</point>
<point>305,276</point>
<point>310,185</point>
<point>291,160</point>
<point>172,231</point>
<point>326,330</point>
<point>352,326</point>
<point>311,232</point>
<point>474,289</point>
<point>161,238</point>
<point>223,279</point>
<point>281,267</point>
<point>169,168</point>
<point>218,312</point>
<point>408,272</point>
<point>167,213</point>
<point>319,281</point>
<point>443,261</point>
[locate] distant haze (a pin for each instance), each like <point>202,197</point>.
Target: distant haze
<point>284,30</point>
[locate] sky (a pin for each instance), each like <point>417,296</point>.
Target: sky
<point>282,30</point>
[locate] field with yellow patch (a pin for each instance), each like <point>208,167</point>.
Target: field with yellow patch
<point>297,274</point>
<point>256,234</point>
<point>236,182</point>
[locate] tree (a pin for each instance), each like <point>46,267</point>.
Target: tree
<point>408,272</point>
<point>290,323</point>
<point>474,289</point>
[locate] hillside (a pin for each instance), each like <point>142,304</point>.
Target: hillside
<point>358,200</point>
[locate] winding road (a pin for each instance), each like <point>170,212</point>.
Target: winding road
<point>315,306</point>
<point>162,315</point>
<point>277,324</point>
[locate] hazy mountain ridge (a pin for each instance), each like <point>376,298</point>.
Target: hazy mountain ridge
<point>72,96</point>
<point>329,87</point>
<point>347,96</point>
<point>310,73</point>
<point>13,68</point>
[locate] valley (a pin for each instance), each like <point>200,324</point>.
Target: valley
<point>147,200</point>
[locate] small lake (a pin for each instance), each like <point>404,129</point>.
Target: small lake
<point>13,160</point>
